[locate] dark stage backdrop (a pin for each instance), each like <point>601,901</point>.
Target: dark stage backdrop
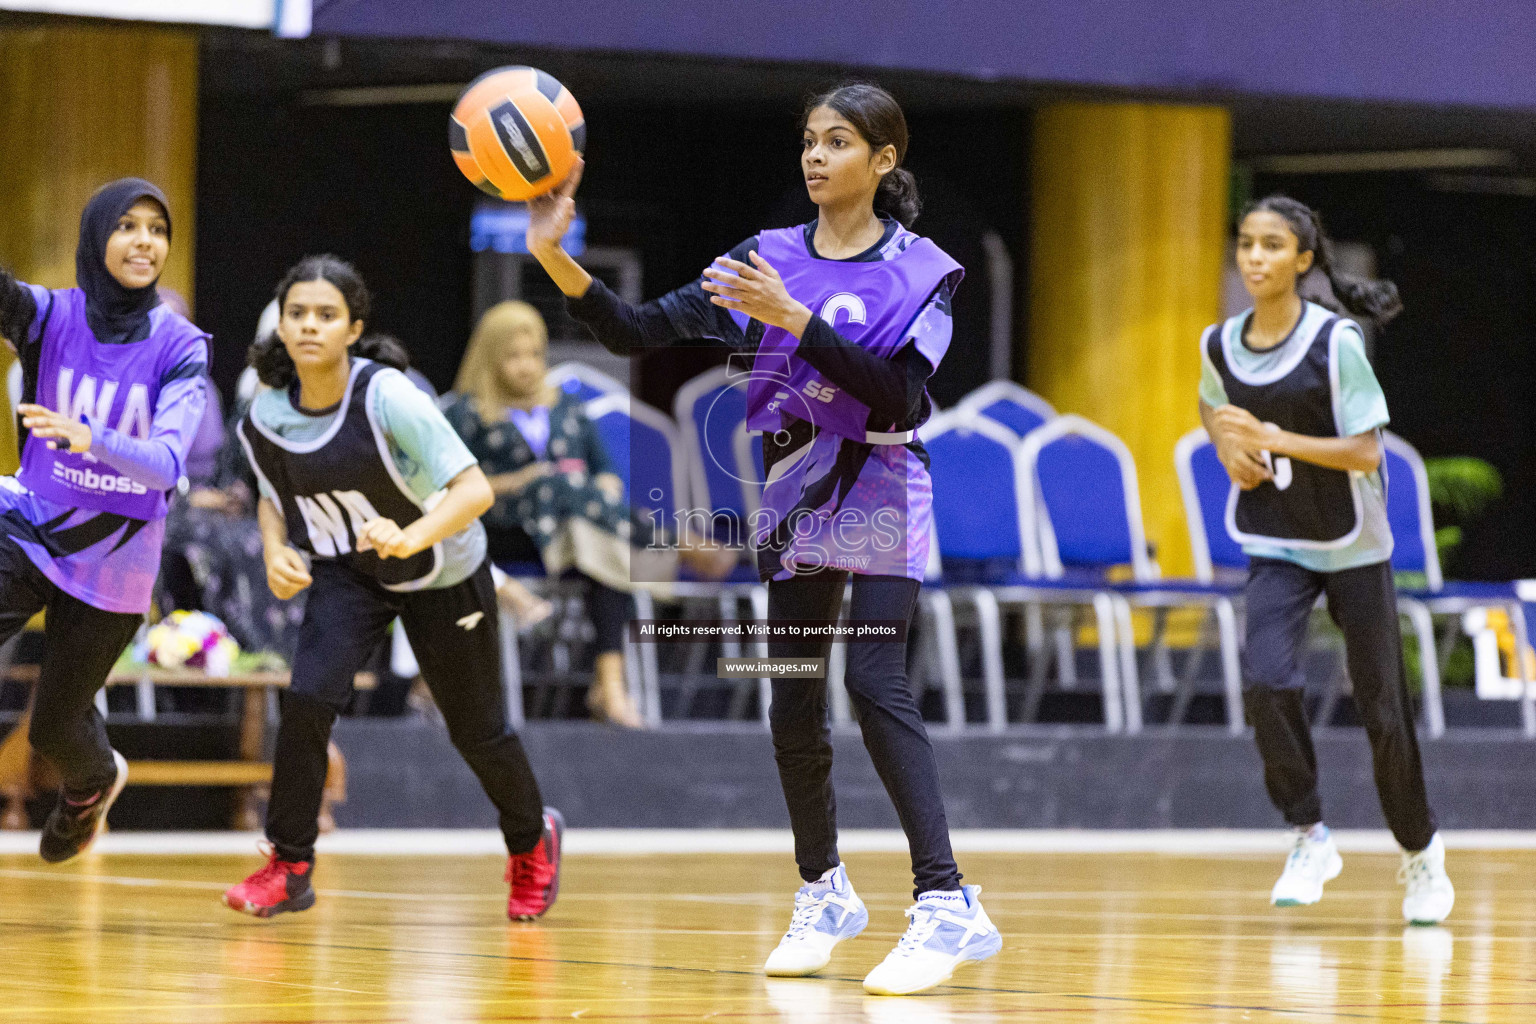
<point>1459,365</point>
<point>371,184</point>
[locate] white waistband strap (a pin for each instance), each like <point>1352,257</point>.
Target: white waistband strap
<point>872,436</point>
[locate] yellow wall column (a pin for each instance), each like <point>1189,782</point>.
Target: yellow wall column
<point>79,106</point>
<point>1129,231</point>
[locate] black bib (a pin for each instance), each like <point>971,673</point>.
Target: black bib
<point>332,486</point>
<point>1305,505</point>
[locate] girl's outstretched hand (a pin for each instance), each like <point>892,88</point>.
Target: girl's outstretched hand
<point>757,291</point>
<point>44,422</point>
<point>550,215</point>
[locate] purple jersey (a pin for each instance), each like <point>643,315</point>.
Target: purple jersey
<point>842,491</point>
<point>93,522</point>
<point>870,303</point>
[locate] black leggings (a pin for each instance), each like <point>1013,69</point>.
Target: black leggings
<point>1363,602</point>
<point>888,717</point>
<point>453,631</point>
<point>83,643</point>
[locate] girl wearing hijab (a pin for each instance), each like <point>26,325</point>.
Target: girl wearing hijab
<point>113,394</point>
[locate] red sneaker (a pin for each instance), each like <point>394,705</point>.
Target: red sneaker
<point>535,875</point>
<point>279,888</point>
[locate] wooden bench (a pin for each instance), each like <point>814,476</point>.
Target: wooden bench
<point>22,776</point>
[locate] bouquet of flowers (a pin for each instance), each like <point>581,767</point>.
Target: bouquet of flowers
<point>188,640</point>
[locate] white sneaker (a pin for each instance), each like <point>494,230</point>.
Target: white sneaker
<point>1430,895</point>
<point>827,911</point>
<point>947,929</point>
<point>1312,863</point>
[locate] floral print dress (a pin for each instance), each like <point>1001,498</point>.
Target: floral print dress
<point>574,523</point>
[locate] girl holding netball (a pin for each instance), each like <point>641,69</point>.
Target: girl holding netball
<point>358,470</point>
<point>112,396</point>
<point>846,317</point>
<point>1289,399</point>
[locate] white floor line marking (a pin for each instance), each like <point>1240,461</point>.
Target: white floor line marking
<point>657,842</point>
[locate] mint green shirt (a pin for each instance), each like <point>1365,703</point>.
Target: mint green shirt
<point>1364,409</point>
<point>425,449</point>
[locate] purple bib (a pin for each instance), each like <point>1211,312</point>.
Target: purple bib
<point>870,303</point>
<point>116,386</point>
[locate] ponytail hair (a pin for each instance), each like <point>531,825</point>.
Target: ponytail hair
<point>877,117</point>
<point>1367,298</point>
<point>897,196</point>
<point>274,367</point>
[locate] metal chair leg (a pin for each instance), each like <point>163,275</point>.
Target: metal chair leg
<point>648,682</point>
<point>730,647</point>
<point>1034,689</point>
<point>1034,632</point>
<point>1162,664</point>
<point>511,667</point>
<point>1184,688</point>
<point>144,694</point>
<point>1429,665</point>
<point>942,612</point>
<point>1130,683</point>
<point>759,598</point>
<point>989,627</point>
<point>1114,710</point>
<point>1066,656</point>
<point>837,687</point>
<point>1231,666</point>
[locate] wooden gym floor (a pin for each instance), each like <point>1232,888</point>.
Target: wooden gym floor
<point>1171,939</point>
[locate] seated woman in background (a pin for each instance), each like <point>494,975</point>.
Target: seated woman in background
<point>524,431</point>
<point>558,500</point>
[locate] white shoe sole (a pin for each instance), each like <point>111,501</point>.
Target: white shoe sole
<point>1335,868</point>
<point>1429,922</point>
<point>791,971</point>
<point>878,990</point>
<point>795,972</point>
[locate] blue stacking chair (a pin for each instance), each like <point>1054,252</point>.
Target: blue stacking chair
<point>1021,410</point>
<point>749,455</point>
<point>583,381</point>
<point>1013,405</point>
<point>988,556</point>
<point>1413,550</point>
<point>975,530</point>
<point>1084,505</point>
<point>1205,487</point>
<point>643,444</point>
<point>710,410</point>
<point>1219,560</point>
<point>646,452</point>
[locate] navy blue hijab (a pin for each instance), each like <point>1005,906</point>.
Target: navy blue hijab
<point>115,314</point>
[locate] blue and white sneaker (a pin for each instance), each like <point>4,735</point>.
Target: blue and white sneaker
<point>947,929</point>
<point>827,911</point>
